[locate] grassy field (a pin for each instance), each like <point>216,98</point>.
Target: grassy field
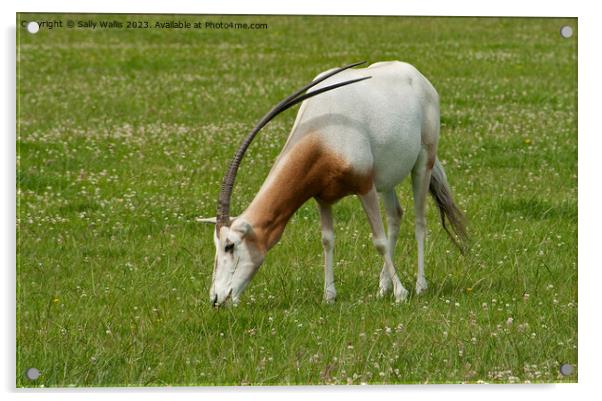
<point>124,136</point>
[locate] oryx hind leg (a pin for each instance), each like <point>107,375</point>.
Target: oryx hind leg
<point>327,225</point>
<point>372,209</point>
<point>421,178</point>
<point>394,214</point>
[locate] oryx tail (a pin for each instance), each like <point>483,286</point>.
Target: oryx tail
<point>442,195</point>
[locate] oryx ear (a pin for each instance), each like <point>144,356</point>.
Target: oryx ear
<point>209,220</point>
<point>241,227</point>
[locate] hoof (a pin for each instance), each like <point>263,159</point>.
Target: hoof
<point>401,295</point>
<point>383,288</point>
<point>330,296</point>
<point>421,286</point>
<point>382,292</point>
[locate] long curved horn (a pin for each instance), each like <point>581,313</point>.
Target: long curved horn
<point>223,202</point>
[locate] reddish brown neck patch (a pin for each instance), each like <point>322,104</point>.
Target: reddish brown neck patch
<point>307,170</point>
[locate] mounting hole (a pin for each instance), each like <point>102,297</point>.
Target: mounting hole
<point>566,31</point>
<point>33,27</point>
<point>566,369</point>
<point>33,374</point>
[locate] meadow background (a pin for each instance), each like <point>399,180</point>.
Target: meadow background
<point>122,140</point>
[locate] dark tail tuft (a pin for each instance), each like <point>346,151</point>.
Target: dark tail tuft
<point>441,193</point>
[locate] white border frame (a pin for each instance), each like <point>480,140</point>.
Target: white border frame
<point>589,142</point>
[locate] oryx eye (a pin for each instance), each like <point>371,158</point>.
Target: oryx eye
<point>229,248</point>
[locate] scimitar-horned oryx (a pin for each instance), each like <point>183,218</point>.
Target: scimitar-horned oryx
<point>379,125</point>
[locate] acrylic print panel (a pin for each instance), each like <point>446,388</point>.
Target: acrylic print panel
<point>127,124</point>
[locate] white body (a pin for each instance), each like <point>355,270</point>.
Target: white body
<point>377,124</point>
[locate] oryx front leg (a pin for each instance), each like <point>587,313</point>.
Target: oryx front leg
<point>421,178</point>
<point>328,244</point>
<point>394,214</point>
<point>370,204</point>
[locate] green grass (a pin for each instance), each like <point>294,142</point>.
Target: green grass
<point>123,138</point>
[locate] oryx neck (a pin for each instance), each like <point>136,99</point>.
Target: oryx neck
<point>289,185</point>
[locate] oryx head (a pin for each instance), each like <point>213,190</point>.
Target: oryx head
<point>238,252</point>
<point>237,258</point>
